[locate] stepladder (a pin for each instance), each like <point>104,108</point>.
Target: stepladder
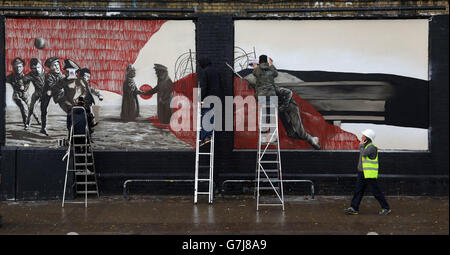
<point>269,178</point>
<point>204,155</point>
<point>80,165</point>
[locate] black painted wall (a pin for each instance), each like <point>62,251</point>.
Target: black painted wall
<point>32,173</point>
<point>439,84</point>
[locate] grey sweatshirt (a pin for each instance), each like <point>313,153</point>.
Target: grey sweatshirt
<point>370,151</point>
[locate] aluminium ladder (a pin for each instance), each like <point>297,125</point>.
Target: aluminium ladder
<point>201,157</point>
<point>85,179</point>
<point>268,162</point>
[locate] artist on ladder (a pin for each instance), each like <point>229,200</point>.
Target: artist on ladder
<point>210,86</point>
<point>265,74</point>
<point>79,125</point>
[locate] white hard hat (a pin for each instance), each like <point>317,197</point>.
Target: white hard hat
<point>369,133</point>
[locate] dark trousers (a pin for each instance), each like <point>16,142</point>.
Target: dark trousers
<point>203,133</point>
<point>45,100</point>
<point>265,109</point>
<point>361,184</point>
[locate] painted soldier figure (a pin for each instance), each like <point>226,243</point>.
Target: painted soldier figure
<point>84,89</point>
<point>51,88</point>
<point>69,84</point>
<point>20,95</point>
<point>164,89</point>
<point>37,77</point>
<point>290,117</point>
<point>130,103</point>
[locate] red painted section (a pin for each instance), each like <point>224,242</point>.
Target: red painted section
<point>182,91</point>
<point>331,137</point>
<point>106,47</point>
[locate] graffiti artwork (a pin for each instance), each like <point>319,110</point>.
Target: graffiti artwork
<point>127,71</point>
<point>337,78</point>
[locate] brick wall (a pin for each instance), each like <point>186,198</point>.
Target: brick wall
<point>237,8</point>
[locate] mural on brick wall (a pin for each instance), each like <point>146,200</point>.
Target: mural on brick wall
<point>337,78</point>
<point>127,72</point>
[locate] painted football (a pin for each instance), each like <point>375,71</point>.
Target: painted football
<point>145,88</point>
<point>39,43</point>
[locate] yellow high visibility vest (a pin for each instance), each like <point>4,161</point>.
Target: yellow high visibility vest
<point>370,166</point>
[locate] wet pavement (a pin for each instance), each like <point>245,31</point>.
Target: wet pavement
<point>228,215</point>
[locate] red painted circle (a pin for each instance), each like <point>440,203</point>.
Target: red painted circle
<point>146,88</point>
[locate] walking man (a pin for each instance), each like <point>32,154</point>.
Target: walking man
<point>367,175</point>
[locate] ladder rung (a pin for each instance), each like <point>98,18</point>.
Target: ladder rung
<point>263,143</point>
<point>204,153</point>
<point>268,125</point>
<point>269,170</point>
<point>269,152</point>
<point>202,193</point>
<point>83,172</point>
<point>267,188</point>
<point>80,145</point>
<point>82,154</point>
<point>79,135</point>
<point>270,204</point>
<point>270,162</point>
<point>88,192</point>
<point>204,180</point>
<point>83,164</point>
<point>83,183</point>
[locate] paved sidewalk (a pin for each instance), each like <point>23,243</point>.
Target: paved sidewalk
<point>227,215</point>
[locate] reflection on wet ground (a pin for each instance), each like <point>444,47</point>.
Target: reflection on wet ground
<point>227,215</point>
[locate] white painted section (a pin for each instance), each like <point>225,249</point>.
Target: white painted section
<point>392,137</point>
<point>164,47</point>
<point>397,47</point>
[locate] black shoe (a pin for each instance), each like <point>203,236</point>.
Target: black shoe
<point>351,211</point>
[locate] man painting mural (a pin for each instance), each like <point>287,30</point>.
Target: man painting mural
<point>19,96</point>
<point>164,89</point>
<point>265,74</point>
<point>289,112</point>
<point>130,103</point>
<point>37,77</point>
